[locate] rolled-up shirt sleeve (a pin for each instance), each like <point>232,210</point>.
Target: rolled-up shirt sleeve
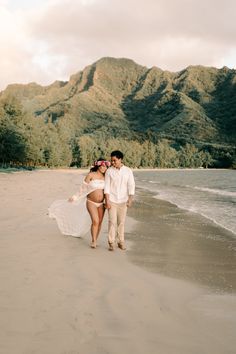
<point>107,183</point>
<point>131,184</point>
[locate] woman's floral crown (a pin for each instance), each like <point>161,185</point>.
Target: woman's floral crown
<point>102,163</point>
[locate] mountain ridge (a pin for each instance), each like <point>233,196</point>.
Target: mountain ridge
<point>120,97</point>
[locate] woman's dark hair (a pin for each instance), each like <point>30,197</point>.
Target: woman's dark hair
<point>117,154</point>
<point>95,168</point>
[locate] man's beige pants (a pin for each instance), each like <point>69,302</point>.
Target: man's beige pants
<point>116,222</point>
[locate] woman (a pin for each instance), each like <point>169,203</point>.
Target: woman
<point>95,199</point>
<point>72,215</point>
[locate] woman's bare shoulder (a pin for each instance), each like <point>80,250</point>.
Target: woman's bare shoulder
<point>89,177</point>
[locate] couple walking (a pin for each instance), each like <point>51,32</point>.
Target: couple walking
<point>108,186</point>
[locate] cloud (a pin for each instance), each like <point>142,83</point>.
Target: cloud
<point>13,52</point>
<point>19,51</point>
<point>62,36</point>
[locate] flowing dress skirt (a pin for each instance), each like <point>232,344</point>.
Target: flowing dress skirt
<point>72,217</point>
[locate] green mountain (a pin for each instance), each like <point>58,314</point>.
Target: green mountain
<point>158,118</point>
<point>122,98</point>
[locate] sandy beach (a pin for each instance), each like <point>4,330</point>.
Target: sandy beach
<point>59,296</point>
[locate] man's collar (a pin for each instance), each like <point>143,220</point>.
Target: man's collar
<point>116,168</point>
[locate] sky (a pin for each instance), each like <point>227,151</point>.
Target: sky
<point>46,40</point>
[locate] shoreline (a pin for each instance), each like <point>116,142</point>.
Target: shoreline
<point>85,170</point>
<point>196,206</point>
<point>197,213</point>
<point>207,248</point>
<point>60,296</point>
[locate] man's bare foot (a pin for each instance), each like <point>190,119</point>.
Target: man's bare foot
<point>111,247</point>
<point>121,246</point>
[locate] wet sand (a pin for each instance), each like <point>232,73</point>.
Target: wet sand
<point>59,296</point>
<point>182,244</point>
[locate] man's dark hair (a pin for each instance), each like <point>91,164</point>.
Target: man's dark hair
<point>117,154</point>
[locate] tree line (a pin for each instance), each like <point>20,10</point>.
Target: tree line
<point>26,140</point>
<point>145,154</point>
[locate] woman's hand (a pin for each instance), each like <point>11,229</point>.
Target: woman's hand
<point>107,205</point>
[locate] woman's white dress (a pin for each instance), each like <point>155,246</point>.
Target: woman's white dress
<point>72,217</point>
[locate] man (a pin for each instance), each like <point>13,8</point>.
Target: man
<point>119,191</point>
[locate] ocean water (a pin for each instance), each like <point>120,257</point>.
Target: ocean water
<point>211,193</point>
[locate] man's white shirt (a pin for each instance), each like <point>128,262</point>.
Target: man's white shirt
<point>119,184</point>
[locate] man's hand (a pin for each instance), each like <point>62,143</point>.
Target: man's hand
<point>129,201</point>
